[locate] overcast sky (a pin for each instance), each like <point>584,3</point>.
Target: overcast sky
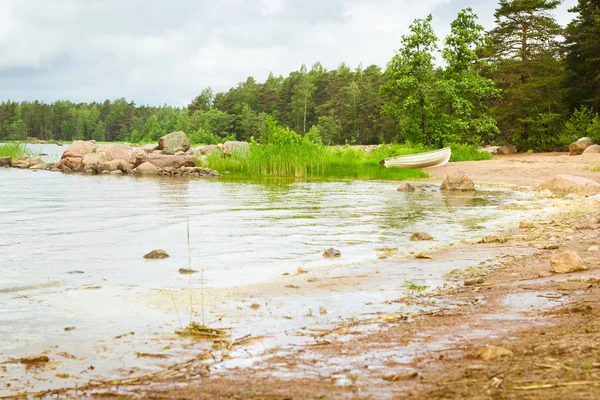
<point>166,51</point>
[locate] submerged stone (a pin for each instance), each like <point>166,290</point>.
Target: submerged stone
<point>157,254</point>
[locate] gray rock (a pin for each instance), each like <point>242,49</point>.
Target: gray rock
<point>458,181</point>
<point>593,149</point>
<point>146,169</point>
<point>580,146</point>
<point>332,253</point>
<point>405,188</point>
<point>79,148</point>
<point>163,161</point>
<point>174,140</point>
<point>421,236</point>
<point>506,150</point>
<point>231,147</point>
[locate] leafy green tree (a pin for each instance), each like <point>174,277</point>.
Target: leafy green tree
<point>329,128</point>
<point>98,134</point>
<point>152,129</point>
<point>525,47</point>
<point>582,40</point>
<point>302,99</point>
<point>463,91</point>
<point>204,101</point>
<point>412,82</point>
<point>136,136</point>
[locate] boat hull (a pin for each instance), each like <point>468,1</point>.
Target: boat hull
<point>430,159</point>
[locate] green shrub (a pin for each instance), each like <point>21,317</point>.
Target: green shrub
<point>467,152</point>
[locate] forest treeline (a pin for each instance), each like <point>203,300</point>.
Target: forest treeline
<point>528,81</point>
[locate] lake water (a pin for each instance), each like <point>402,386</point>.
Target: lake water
<point>65,232</point>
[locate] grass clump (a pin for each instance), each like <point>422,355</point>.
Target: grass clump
<point>465,152</point>
<point>284,153</point>
<point>14,150</point>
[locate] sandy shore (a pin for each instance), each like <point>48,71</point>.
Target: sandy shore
<point>428,347</point>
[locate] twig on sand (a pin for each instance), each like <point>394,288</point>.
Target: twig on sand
<point>554,385</point>
<point>172,372</point>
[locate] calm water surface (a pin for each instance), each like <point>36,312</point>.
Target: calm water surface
<point>62,233</point>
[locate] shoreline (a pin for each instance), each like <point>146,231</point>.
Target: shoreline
<point>386,333</point>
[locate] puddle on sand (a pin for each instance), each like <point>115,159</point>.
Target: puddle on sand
<point>243,233</point>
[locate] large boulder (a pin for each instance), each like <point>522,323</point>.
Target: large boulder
<point>93,160</point>
<point>21,162</point>
<point>205,150</point>
<point>70,163</point>
<point>567,262</point>
<point>593,149</point>
<point>563,185</point>
<point>135,157</point>
<point>39,166</point>
<point>149,148</point>
<point>163,161</point>
<point>146,169</point>
<point>231,147</point>
<point>458,181</point>
<point>110,166</point>
<point>115,151</point>
<point>5,161</point>
<point>174,141</point>
<point>26,162</point>
<point>580,146</point>
<point>506,150</point>
<point>79,148</point>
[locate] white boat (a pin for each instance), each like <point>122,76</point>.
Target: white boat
<point>430,159</point>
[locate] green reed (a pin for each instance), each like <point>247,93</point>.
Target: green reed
<point>14,150</point>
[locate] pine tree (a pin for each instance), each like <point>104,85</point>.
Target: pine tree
<point>582,39</point>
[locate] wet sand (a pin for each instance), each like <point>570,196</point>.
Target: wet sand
<point>421,343</point>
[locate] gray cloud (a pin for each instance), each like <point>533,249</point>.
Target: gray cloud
<point>156,51</point>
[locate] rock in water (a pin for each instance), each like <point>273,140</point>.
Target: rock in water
<point>563,185</point>
<point>39,166</point>
<point>157,254</point>
<point>567,262</point>
<point>458,181</point>
<point>174,141</point>
<point>593,149</point>
<point>5,161</point>
<point>506,150</point>
<point>115,151</point>
<point>187,271</point>
<point>164,160</point>
<point>490,352</point>
<point>406,188</point>
<point>146,169</point>
<point>580,146</point>
<point>332,253</point>
<point>79,148</point>
<point>421,236</point>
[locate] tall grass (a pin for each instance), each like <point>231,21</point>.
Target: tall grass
<point>14,150</point>
<point>304,159</point>
<point>465,152</point>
